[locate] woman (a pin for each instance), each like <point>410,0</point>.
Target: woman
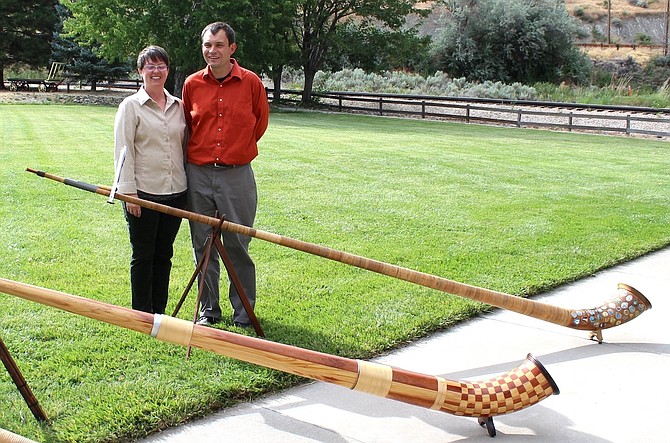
<point>150,124</point>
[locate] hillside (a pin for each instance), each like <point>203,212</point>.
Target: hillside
<point>628,21</point>
<point>622,9</point>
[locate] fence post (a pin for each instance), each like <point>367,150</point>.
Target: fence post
<point>438,110</point>
<point>570,122</point>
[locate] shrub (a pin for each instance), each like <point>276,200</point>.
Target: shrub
<point>642,39</point>
<point>597,35</point>
<point>438,84</point>
<point>639,3</point>
<point>655,73</point>
<point>511,41</point>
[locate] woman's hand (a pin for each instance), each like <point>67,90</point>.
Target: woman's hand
<point>133,209</point>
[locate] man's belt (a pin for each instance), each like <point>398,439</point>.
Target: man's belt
<point>223,165</point>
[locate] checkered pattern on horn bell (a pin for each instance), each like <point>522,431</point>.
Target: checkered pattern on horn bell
<point>515,390</point>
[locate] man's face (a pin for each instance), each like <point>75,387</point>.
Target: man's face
<point>216,50</point>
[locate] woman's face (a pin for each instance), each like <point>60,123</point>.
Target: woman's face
<point>154,73</point>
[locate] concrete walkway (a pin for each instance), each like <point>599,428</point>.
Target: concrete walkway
<point>616,391</point>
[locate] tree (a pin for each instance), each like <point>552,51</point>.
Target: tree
<point>25,33</point>
<point>374,49</point>
<point>119,29</point>
<point>317,21</point>
<point>265,42</point>
<point>82,62</point>
<point>272,34</point>
<point>511,41</point>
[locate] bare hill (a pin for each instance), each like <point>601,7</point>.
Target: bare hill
<point>622,9</point>
<point>624,22</point>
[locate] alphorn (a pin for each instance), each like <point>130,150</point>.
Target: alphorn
<point>626,304</point>
<point>523,386</point>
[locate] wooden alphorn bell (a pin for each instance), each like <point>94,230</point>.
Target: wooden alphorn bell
<point>626,304</point>
<point>523,386</point>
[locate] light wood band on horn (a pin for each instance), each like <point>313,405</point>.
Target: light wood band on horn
<point>173,330</point>
<point>374,378</point>
<point>441,394</point>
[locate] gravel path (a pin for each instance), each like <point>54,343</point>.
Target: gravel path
<point>103,97</point>
<point>559,119</point>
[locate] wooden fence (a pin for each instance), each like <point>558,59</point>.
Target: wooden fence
<point>519,113</point>
<point>626,120</point>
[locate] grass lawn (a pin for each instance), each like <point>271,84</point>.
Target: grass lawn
<point>518,211</point>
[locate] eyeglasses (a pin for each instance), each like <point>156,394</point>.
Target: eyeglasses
<point>160,68</point>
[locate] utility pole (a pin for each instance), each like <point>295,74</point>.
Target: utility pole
<point>609,21</point>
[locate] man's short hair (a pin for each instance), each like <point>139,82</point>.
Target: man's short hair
<point>218,26</point>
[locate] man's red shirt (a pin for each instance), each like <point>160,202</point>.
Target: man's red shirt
<point>225,119</point>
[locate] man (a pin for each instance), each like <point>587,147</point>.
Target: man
<point>227,113</point>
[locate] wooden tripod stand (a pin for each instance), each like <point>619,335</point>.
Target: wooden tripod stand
<point>214,239</point>
<point>21,383</point>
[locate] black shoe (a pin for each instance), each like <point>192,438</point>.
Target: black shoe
<point>206,321</point>
<point>241,325</point>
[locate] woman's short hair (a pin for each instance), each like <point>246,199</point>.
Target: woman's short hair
<point>152,52</point>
